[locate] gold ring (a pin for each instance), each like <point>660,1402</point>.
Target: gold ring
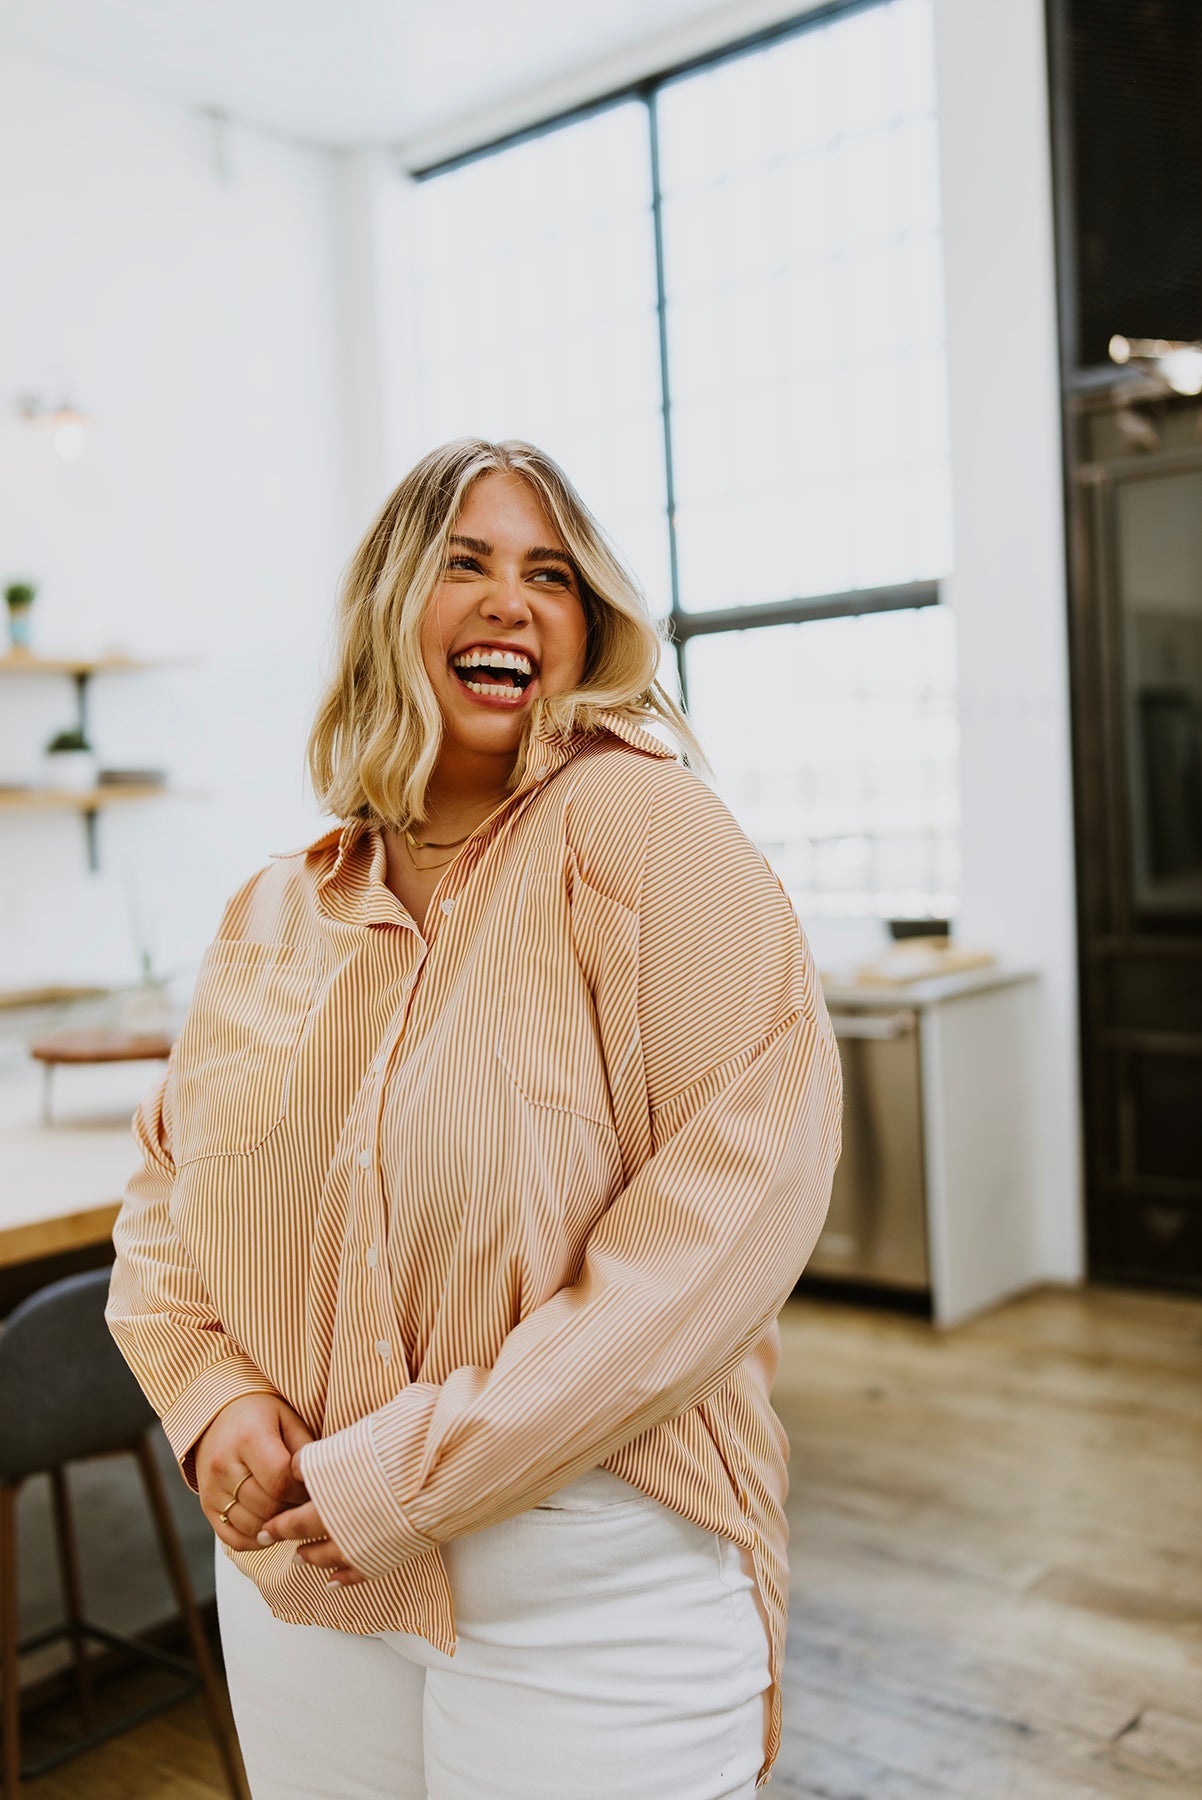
<point>233,1501</point>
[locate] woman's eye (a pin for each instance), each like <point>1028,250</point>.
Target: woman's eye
<point>462,562</point>
<point>558,575</point>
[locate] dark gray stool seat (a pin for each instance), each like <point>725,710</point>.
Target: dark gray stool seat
<point>66,1394</point>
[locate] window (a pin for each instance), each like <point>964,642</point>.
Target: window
<point>802,291</point>
<point>835,744</point>
<point>718,302</point>
<point>537,318</point>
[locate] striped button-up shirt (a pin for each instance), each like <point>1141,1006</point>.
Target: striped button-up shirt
<point>501,1199</point>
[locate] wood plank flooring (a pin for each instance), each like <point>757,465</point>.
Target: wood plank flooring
<point>996,1552</point>
<point>997,1563</point>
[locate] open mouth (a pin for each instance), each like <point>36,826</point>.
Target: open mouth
<point>494,674</point>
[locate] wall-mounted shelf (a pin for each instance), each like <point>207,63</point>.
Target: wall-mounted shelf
<point>35,799</point>
<point>26,662</point>
<point>89,803</point>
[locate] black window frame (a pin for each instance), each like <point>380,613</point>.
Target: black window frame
<point>682,624</point>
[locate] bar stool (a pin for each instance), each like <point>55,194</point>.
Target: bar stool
<point>66,1395</point>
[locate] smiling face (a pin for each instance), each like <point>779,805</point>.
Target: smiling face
<point>506,623</point>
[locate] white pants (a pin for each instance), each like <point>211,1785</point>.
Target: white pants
<point>607,1650</point>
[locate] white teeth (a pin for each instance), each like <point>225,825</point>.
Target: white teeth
<point>494,659</point>
<point>502,693</point>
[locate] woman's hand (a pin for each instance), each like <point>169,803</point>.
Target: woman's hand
<point>247,1451</point>
<point>303,1525</point>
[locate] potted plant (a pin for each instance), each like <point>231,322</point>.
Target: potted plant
<point>20,596</point>
<point>70,762</point>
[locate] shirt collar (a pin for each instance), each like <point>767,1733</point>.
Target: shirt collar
<point>349,861</point>
<point>548,753</point>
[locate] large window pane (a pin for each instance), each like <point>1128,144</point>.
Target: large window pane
<point>834,743</point>
<point>804,314</point>
<point>537,319</point>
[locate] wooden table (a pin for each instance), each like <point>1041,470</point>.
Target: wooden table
<point>95,1044</point>
<point>62,1184</point>
<point>62,1188</point>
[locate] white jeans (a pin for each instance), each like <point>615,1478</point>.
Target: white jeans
<point>607,1650</point>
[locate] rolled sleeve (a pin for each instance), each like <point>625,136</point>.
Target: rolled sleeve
<point>355,1478</point>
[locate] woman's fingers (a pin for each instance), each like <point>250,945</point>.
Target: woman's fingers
<point>253,1506</point>
<point>231,1535</point>
<point>325,1555</point>
<point>297,1522</point>
<point>303,1527</point>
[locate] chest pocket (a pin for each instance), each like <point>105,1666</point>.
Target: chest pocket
<point>548,1045</point>
<point>239,1045</point>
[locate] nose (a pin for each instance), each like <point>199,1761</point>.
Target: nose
<point>506,602</point>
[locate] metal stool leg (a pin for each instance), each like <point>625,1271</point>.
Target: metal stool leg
<point>173,1556</point>
<point>68,1565</point>
<point>10,1698</point>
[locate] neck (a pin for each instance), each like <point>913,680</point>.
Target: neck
<point>464,783</point>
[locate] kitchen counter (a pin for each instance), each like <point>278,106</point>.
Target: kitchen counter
<point>841,990</point>
<point>934,1192</point>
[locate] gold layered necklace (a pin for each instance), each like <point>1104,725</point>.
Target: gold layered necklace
<point>415,843</point>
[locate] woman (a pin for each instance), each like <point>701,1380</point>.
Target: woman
<point>501,1125</point>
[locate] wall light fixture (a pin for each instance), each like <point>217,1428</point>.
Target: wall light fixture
<point>68,425</point>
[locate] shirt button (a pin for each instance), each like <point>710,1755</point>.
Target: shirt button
<point>364,1159</point>
<point>383,1349</point>
<point>373,1256</point>
<point>447,907</point>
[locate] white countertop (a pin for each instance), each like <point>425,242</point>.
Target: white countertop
<point>62,1182</point>
<point>844,994</point>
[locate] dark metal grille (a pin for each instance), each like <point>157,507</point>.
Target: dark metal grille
<point>1134,77</point>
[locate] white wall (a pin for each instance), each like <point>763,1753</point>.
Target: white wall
<point>377,328</point>
<point>1008,585</point>
<point>192,300</point>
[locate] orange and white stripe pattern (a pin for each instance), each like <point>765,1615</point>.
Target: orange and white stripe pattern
<point>500,1202</point>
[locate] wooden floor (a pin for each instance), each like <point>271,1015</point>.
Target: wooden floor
<point>997,1563</point>
<point>997,1552</point>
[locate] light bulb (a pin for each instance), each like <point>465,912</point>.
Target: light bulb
<point>1182,369</point>
<point>70,436</point>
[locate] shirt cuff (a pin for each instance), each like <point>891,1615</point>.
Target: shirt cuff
<point>187,1420</point>
<point>357,1501</point>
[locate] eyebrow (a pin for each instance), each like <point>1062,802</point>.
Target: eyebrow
<point>538,554</point>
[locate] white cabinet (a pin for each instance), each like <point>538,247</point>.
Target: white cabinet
<point>934,1192</point>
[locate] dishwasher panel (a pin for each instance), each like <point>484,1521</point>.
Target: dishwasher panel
<point>876,1227</point>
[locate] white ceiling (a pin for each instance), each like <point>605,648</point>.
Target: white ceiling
<point>348,72</point>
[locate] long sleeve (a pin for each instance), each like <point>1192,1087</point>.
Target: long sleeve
<point>158,1311</point>
<point>690,1263</point>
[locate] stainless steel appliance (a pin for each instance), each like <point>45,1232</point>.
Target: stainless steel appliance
<point>876,1229</point>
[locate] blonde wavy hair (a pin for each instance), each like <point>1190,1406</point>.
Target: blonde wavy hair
<point>378,727</point>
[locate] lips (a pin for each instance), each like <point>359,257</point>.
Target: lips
<point>495,673</point>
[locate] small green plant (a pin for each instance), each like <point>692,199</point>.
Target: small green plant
<point>20,595</point>
<point>67,740</point>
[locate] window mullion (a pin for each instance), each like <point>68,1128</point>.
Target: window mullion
<point>657,214</point>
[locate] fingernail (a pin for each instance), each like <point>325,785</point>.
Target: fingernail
<point>264,1537</point>
<point>333,1582</point>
